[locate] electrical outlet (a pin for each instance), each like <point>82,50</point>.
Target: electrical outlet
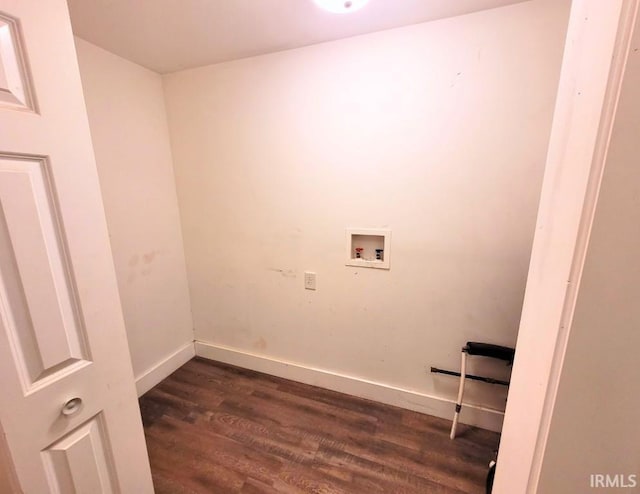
<point>309,280</point>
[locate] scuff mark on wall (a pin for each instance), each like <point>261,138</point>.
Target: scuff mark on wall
<point>286,273</point>
<point>260,344</point>
<point>150,256</point>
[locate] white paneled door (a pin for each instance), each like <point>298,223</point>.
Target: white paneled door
<point>68,407</point>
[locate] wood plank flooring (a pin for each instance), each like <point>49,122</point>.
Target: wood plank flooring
<point>214,428</point>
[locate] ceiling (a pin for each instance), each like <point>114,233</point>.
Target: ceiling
<point>170,35</point>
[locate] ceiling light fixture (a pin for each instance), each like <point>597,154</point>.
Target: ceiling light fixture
<point>341,6</point>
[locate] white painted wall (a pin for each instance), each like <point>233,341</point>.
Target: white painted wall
<point>127,116</point>
<point>594,427</point>
<point>436,131</point>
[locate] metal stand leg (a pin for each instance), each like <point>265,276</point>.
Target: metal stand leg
<point>463,371</point>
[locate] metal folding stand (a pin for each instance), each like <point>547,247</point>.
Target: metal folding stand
<point>478,349</point>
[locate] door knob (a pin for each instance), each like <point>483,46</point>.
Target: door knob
<point>71,406</point>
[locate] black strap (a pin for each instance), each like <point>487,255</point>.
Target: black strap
<point>488,350</point>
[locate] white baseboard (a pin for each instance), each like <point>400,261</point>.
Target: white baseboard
<point>384,393</point>
<point>164,368</point>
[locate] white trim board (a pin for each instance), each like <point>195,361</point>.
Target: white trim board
<point>164,368</point>
<point>596,51</point>
<point>362,388</point>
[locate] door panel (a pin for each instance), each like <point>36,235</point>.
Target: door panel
<point>15,90</point>
<point>69,410</point>
<point>39,305</point>
<point>81,461</point>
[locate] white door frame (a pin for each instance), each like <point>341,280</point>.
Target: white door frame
<point>597,45</point>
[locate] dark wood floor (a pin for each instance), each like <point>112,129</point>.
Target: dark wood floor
<point>214,428</point>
